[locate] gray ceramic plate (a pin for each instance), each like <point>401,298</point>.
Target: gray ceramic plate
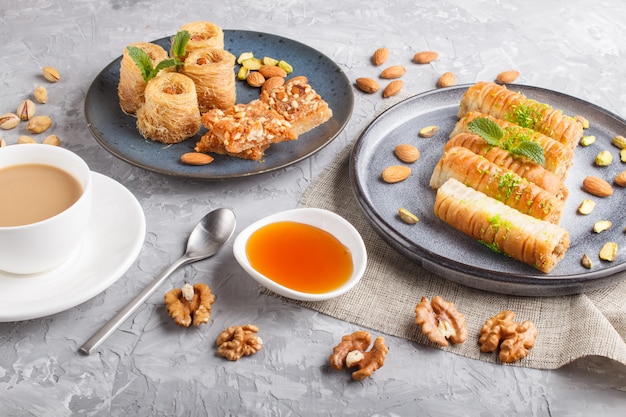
<point>454,256</point>
<point>116,132</point>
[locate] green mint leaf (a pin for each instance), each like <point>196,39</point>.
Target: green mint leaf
<point>142,60</point>
<point>179,44</point>
<point>531,150</point>
<point>487,129</point>
<point>166,63</point>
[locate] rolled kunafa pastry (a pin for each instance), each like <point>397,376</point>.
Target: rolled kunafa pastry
<point>170,112</point>
<point>203,35</point>
<point>131,86</point>
<point>520,165</point>
<point>535,242</point>
<point>505,186</point>
<point>502,103</point>
<point>558,157</point>
<point>212,71</point>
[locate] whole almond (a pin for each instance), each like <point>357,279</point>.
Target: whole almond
<point>447,79</point>
<point>620,179</point>
<point>425,57</point>
<point>380,56</point>
<point>507,77</point>
<point>393,88</point>
<point>406,153</point>
<point>394,71</point>
<point>395,173</point>
<point>367,85</point>
<point>272,83</point>
<point>255,79</point>
<point>300,78</point>
<point>597,186</point>
<point>196,158</point>
<point>269,71</point>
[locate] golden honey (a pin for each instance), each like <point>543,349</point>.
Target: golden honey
<point>300,257</point>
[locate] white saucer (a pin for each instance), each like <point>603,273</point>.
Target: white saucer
<point>113,242</point>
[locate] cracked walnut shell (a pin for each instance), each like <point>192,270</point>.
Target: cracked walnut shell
<point>189,304</point>
<point>440,321</point>
<point>352,352</point>
<point>238,341</point>
<point>514,339</point>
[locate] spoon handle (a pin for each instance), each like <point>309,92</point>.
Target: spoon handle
<point>112,325</point>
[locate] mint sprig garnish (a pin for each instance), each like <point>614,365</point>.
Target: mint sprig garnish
<point>144,63</point>
<point>487,129</point>
<point>494,135</point>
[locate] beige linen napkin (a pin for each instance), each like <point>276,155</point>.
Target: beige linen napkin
<point>570,327</point>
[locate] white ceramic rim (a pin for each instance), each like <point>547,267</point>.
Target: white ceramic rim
<point>85,180</point>
<point>326,220</point>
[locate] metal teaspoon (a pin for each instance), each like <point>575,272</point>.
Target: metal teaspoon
<point>206,239</point>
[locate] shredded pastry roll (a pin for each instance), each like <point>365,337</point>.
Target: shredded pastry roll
<point>535,242</point>
<point>212,71</point>
<point>203,35</point>
<point>505,186</point>
<point>130,89</point>
<point>558,157</point>
<point>520,165</point>
<point>502,103</point>
<point>170,112</point>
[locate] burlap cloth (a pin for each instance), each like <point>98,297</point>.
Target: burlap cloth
<point>570,327</point>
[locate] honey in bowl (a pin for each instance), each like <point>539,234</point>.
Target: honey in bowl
<point>30,193</point>
<point>300,257</point>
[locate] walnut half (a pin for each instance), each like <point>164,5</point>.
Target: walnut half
<point>440,321</point>
<point>189,304</point>
<point>238,341</point>
<point>514,339</point>
<point>352,352</point>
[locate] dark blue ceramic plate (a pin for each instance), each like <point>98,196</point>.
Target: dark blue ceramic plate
<point>116,132</point>
<point>449,253</point>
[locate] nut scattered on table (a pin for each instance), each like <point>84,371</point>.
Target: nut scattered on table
<point>352,352</point>
<point>586,261</point>
<point>52,140</point>
<point>393,88</point>
<point>507,77</point>
<point>514,339</point>
<point>26,109</point>
<point>41,94</point>
<point>620,179</point>
<point>447,79</point>
<point>367,85</point>
<point>237,341</point>
<point>440,321</point>
<point>25,139</point>
<point>9,121</point>
<point>394,71</point>
<point>189,304</point>
<point>425,57</point>
<point>39,124</point>
<point>380,56</point>
<point>51,74</point>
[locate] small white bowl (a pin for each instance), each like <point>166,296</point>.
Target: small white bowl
<point>322,219</point>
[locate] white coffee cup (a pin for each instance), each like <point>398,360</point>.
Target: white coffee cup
<point>40,246</point>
